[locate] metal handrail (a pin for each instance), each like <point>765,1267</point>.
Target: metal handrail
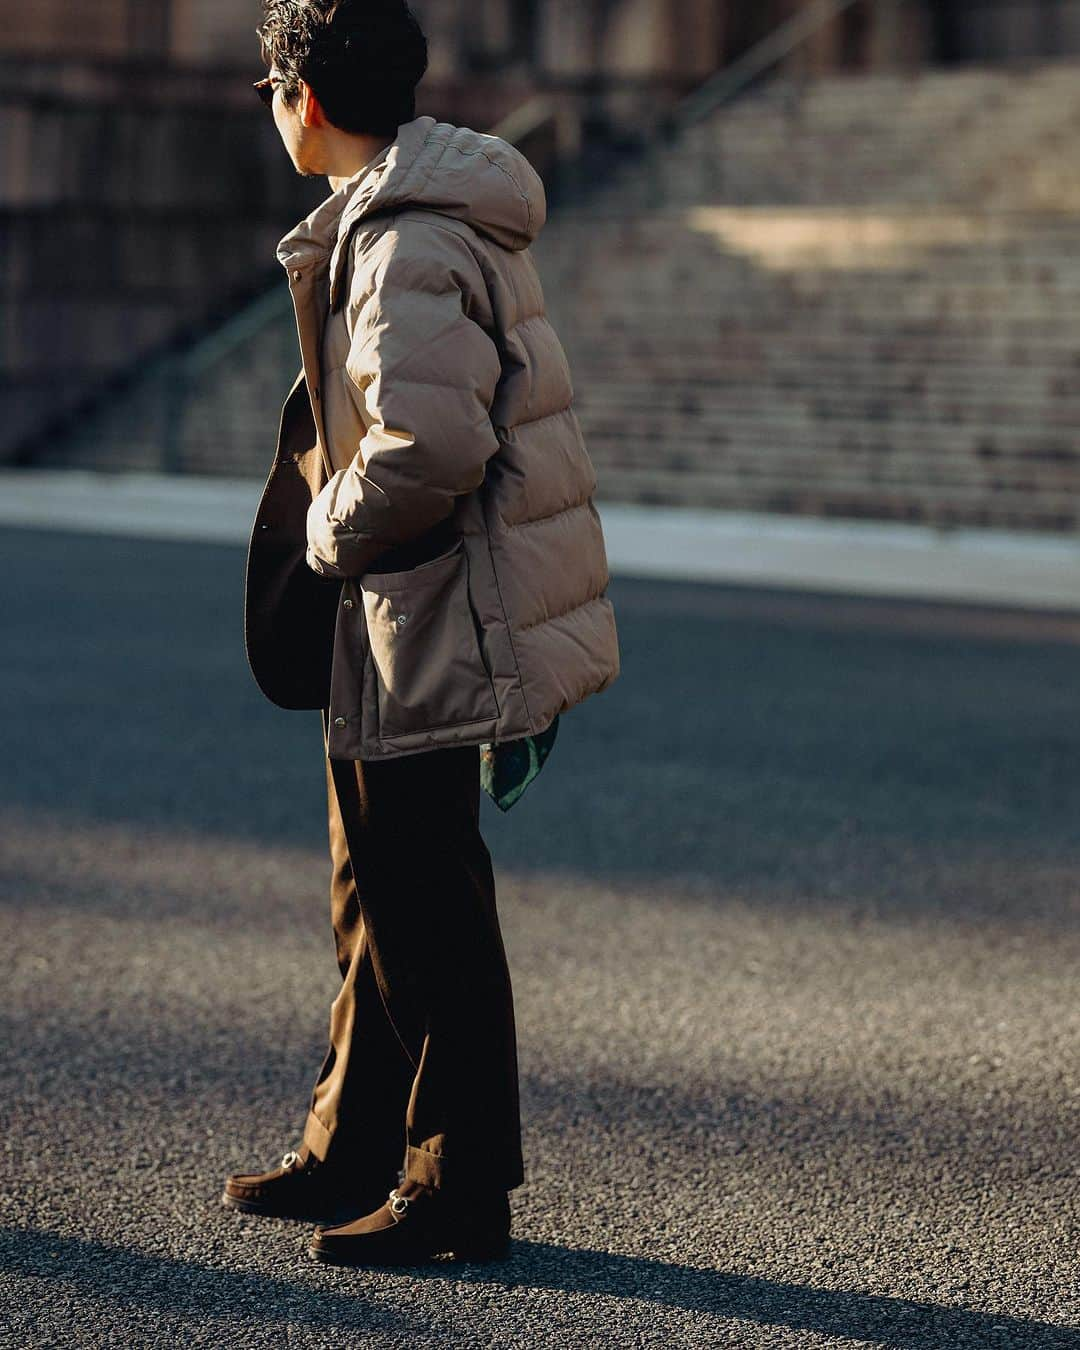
<point>721,87</point>
<point>273,303</point>
<point>526,118</point>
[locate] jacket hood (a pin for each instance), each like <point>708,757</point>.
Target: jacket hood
<point>480,179</point>
<point>473,177</point>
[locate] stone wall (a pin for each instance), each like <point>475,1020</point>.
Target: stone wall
<point>131,211</point>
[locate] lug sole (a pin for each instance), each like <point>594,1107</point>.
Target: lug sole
<point>338,1255</point>
<point>267,1211</point>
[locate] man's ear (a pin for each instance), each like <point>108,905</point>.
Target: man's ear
<point>309,107</point>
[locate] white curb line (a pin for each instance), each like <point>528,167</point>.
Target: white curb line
<point>855,558</point>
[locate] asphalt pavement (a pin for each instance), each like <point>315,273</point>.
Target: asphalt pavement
<point>793,917</point>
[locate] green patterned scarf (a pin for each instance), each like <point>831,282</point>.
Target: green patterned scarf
<point>508,768</point>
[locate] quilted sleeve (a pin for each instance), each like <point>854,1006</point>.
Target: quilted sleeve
<point>424,373</point>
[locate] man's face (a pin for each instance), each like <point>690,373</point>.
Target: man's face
<point>303,142</point>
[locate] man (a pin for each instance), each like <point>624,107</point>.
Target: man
<point>426,567</point>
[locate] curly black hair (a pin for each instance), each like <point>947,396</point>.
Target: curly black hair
<point>362,58</point>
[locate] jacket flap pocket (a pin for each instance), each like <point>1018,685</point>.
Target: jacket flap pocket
<point>426,647</point>
<point>423,574</point>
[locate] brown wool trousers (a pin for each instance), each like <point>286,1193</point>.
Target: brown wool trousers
<point>422,1051</point>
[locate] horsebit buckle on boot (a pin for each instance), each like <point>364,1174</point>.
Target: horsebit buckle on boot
<point>398,1204</point>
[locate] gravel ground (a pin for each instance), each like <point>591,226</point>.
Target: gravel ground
<point>792,915</point>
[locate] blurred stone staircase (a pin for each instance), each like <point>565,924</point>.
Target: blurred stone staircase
<point>858,297</point>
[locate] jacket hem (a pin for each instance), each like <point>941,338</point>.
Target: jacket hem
<point>432,738</point>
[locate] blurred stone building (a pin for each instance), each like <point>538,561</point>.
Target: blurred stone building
<point>132,211</point>
<point>848,293</point>
<point>536,38</point>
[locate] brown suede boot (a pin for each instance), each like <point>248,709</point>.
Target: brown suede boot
<point>417,1223</point>
<point>300,1187</point>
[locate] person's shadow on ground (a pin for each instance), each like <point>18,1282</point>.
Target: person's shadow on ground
<point>182,1289</point>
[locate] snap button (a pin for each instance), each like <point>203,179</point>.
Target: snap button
<point>403,618</point>
<point>347,603</point>
<point>296,274</point>
<point>339,721</point>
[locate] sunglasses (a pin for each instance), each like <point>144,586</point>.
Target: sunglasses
<point>265,90</point>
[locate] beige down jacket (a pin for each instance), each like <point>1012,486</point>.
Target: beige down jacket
<point>444,481</point>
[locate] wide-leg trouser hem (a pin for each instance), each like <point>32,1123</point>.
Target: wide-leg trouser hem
<point>317,1136</point>
<point>431,1170</point>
